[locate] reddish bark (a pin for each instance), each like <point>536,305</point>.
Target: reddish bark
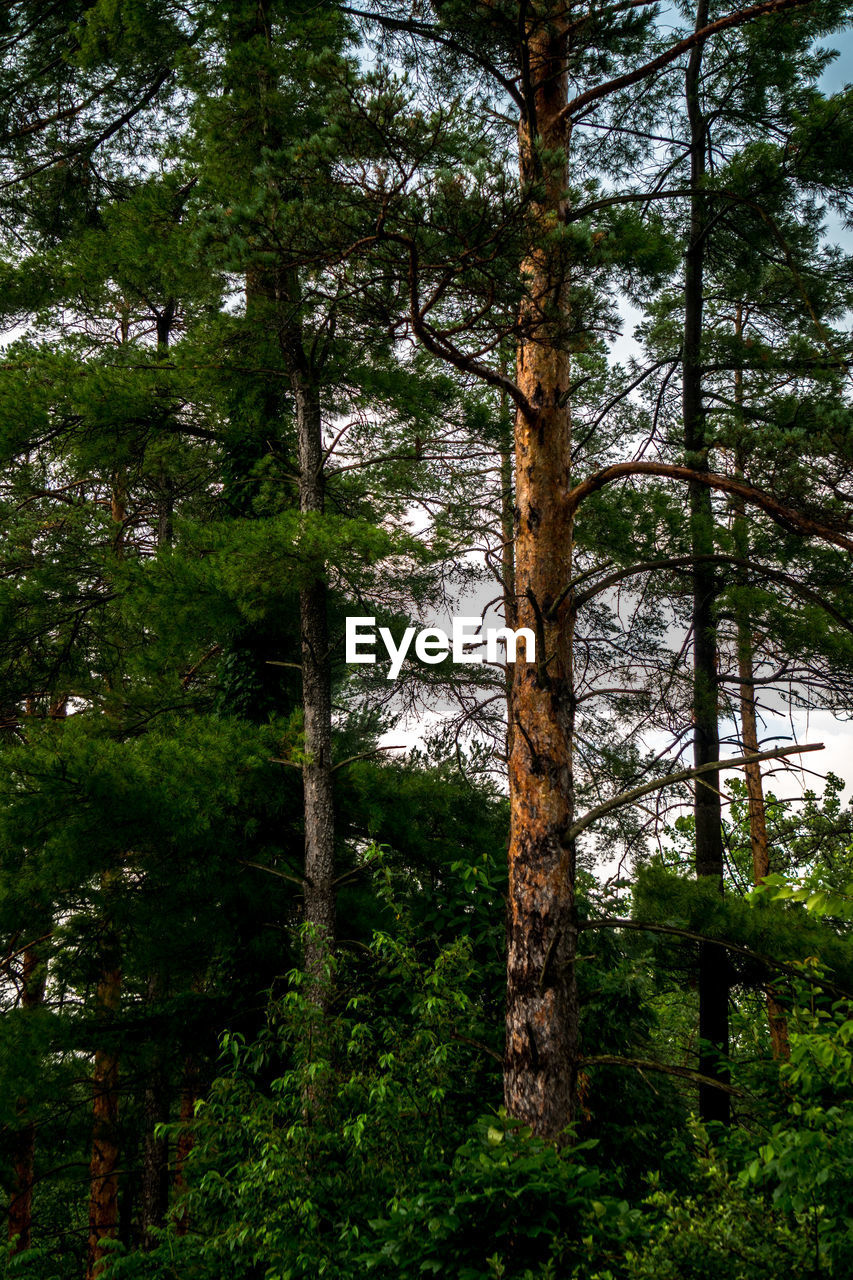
<point>507,552</point>
<point>542,1003</point>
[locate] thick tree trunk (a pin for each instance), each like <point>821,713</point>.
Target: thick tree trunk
<point>714,1104</point>
<point>507,552</point>
<point>103,1169</point>
<point>23,1151</point>
<point>542,1043</point>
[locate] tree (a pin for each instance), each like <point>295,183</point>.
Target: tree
<point>529,54</point>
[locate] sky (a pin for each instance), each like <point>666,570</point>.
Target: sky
<point>778,729</point>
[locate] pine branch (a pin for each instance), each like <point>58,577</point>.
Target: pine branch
<point>682,775</point>
<point>787,517</point>
<point>676,50</point>
<point>645,926</point>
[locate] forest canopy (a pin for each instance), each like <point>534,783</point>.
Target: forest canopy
<point>526,961</point>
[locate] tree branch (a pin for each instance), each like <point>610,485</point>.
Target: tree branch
<point>678,562</point>
<point>683,775</point>
<point>445,350</point>
<point>645,926</point>
<point>675,51</point>
<point>647,1064</point>
<point>785,516</point>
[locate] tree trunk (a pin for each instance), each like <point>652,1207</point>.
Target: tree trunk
<point>714,1104</point>
<point>154,1192</point>
<point>166,484</point>
<point>542,1042</point>
<point>319,814</point>
<point>103,1169</point>
<point>507,552</point>
<point>186,1140</point>
<point>776,1021</point>
<point>277,294</point>
<point>23,1150</point>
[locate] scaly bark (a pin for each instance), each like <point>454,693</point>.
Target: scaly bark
<point>714,1103</point>
<point>542,1043</point>
<point>507,551</point>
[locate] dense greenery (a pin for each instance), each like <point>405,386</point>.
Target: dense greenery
<point>266,268</point>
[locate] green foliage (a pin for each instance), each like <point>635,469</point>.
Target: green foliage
<point>207,208</point>
<point>805,1163</point>
<point>366,1156</point>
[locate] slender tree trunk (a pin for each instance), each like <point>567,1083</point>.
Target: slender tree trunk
<point>317,710</point>
<point>186,1140</point>
<point>776,1020</point>
<point>542,1042</point>
<point>103,1166</point>
<point>713,963</point>
<point>154,1189</point>
<point>280,295</point>
<point>103,1169</point>
<point>23,1151</point>
<point>166,485</point>
<point>276,295</point>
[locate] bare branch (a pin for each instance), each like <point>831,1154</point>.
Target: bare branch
<point>683,775</point>
<point>785,516</point>
<point>676,50</point>
<point>648,1064</point>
